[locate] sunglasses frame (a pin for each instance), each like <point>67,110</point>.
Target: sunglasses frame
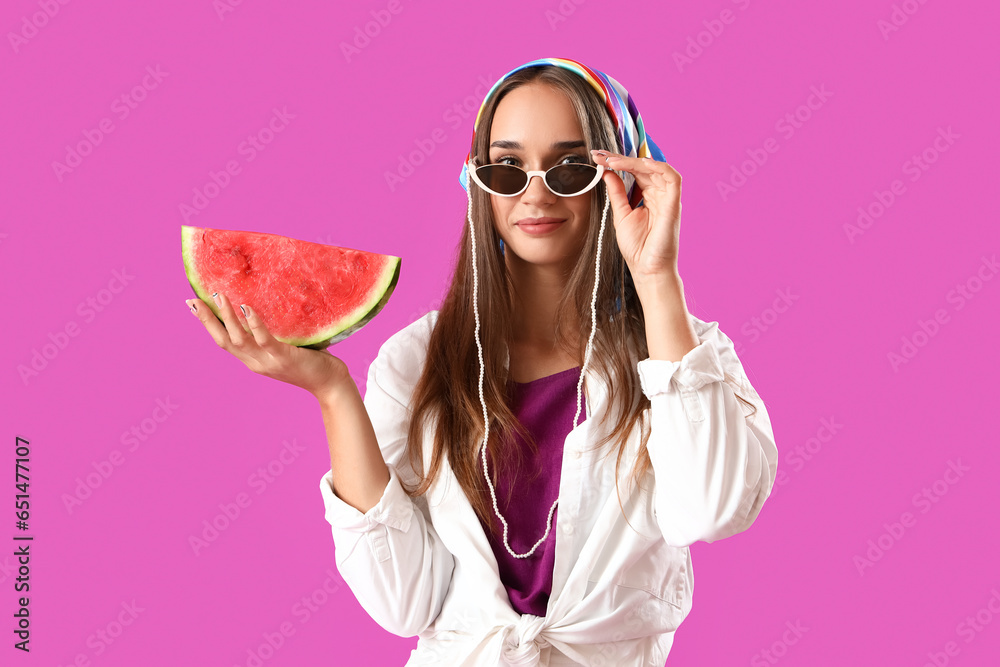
<point>472,167</point>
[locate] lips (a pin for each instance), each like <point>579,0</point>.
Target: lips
<point>539,221</point>
<point>539,225</point>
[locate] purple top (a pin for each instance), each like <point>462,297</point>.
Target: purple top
<point>546,407</point>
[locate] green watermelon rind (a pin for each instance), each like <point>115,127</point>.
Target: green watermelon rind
<point>389,278</point>
<point>347,326</point>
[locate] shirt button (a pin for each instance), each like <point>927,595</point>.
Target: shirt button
<point>568,528</point>
<point>577,453</point>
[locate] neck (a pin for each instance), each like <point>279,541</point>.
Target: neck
<point>538,291</point>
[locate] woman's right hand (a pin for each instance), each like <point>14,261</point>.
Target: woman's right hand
<point>316,371</point>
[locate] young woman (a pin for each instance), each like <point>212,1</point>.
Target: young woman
<point>469,502</point>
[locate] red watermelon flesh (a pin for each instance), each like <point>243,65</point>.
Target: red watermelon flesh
<point>307,294</point>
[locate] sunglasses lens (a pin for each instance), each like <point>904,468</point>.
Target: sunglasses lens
<point>503,178</point>
<point>570,179</point>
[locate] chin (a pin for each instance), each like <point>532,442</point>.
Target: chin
<point>543,256</point>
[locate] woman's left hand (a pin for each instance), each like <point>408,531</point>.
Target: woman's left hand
<point>648,235</point>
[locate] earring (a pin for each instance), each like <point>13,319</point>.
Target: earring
<point>502,253</point>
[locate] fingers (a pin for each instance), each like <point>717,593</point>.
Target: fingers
<point>616,193</point>
<point>222,333</point>
<point>260,333</point>
<point>635,165</point>
<point>237,335</point>
<point>659,182</point>
<point>207,317</point>
<point>624,162</point>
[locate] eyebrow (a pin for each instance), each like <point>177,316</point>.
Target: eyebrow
<point>557,146</point>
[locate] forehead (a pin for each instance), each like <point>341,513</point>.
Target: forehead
<point>535,115</point>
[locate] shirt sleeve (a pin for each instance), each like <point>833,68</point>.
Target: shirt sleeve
<point>390,556</point>
<point>714,461</point>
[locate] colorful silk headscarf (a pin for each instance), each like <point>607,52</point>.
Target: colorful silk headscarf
<point>620,105</point>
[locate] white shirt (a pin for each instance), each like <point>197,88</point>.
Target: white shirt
<point>423,566</point>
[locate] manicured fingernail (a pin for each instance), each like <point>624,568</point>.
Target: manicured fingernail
<point>243,309</point>
<point>218,299</point>
<point>613,157</point>
<point>192,306</point>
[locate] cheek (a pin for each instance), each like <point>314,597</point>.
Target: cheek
<point>501,209</point>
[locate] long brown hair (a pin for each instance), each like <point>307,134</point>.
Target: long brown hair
<point>448,388</point>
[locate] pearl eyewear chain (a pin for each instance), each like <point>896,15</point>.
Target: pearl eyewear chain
<point>579,386</point>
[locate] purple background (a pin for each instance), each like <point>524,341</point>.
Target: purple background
<point>821,352</point>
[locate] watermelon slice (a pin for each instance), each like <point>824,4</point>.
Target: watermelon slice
<point>307,294</point>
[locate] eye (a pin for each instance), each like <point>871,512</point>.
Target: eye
<point>575,159</point>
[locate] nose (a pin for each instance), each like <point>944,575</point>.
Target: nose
<point>537,191</point>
